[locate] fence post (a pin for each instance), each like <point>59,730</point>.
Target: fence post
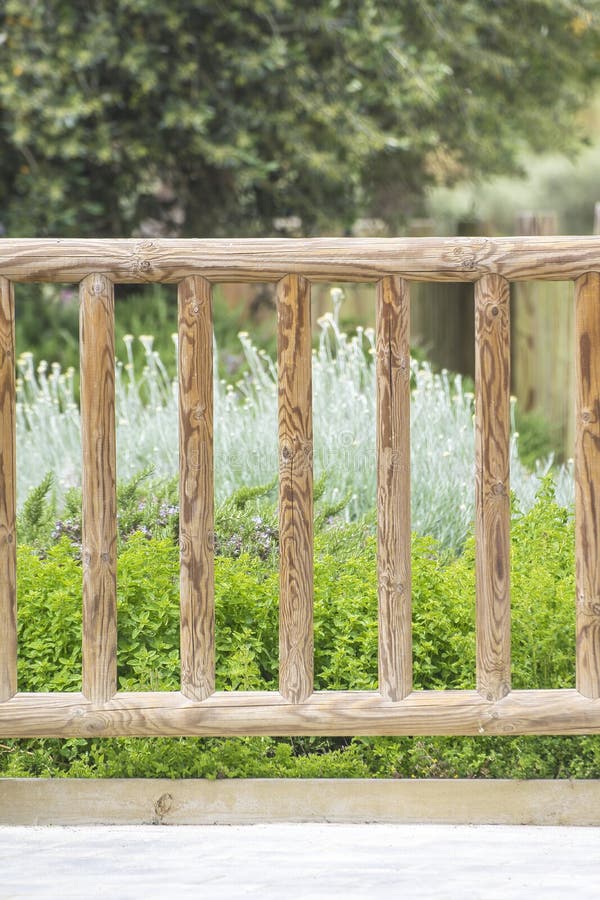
<point>8,537</point>
<point>393,488</point>
<point>587,484</point>
<point>294,365</point>
<point>492,494</point>
<point>196,489</point>
<point>99,477</point>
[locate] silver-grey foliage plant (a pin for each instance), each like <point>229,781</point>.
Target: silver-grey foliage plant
<point>245,430</point>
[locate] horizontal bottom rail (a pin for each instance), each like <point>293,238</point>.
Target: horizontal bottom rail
<point>235,801</point>
<point>324,713</point>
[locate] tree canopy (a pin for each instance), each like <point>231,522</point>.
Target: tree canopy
<point>214,118</point>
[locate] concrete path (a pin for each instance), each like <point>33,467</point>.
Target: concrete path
<point>299,861</point>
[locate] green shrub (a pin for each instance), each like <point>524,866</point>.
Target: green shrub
<point>345,650</point>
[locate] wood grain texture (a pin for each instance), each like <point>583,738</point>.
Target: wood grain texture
<point>318,259</point>
<point>587,483</point>
<point>8,537</point>
<point>492,492</point>
<point>294,365</point>
<point>393,488</point>
<point>323,713</point>
<point>196,489</point>
<point>250,801</point>
<point>99,476</point>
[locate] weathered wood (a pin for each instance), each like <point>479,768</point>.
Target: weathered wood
<point>587,484</point>
<point>8,537</point>
<point>99,475</point>
<point>232,713</point>
<point>247,801</point>
<point>492,503</point>
<point>294,363</point>
<point>393,488</point>
<point>196,489</point>
<point>318,259</point>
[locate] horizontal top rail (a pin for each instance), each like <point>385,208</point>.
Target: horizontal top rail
<point>317,259</point>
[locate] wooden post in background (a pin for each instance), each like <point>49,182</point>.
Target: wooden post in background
<point>99,479</point>
<point>441,315</point>
<point>393,488</point>
<point>196,489</point>
<point>587,484</point>
<point>294,364</point>
<point>492,491</point>
<point>543,370</point>
<point>8,536</point>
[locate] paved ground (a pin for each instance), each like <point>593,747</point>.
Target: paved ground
<point>299,861</point>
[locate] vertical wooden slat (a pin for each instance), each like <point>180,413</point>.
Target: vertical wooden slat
<point>587,483</point>
<point>393,488</point>
<point>99,532</point>
<point>492,513</point>
<point>196,489</point>
<point>8,542</point>
<point>295,489</point>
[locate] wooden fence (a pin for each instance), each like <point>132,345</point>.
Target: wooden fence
<point>197,709</point>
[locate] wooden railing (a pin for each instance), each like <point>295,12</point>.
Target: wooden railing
<point>493,708</point>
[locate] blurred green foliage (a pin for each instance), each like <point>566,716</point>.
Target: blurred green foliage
<point>212,119</point>
<point>47,324</point>
<point>567,186</point>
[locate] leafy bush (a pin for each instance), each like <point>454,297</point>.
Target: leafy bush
<point>345,649</point>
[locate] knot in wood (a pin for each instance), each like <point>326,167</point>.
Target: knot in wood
<point>142,250</point>
<point>589,607</point>
<point>98,285</point>
<point>163,805</point>
<point>392,585</point>
<point>495,310</point>
<point>199,412</point>
<point>196,457</point>
<point>498,489</point>
<point>392,459</point>
<point>467,262</point>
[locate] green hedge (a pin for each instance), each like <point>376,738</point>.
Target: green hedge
<point>49,583</point>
